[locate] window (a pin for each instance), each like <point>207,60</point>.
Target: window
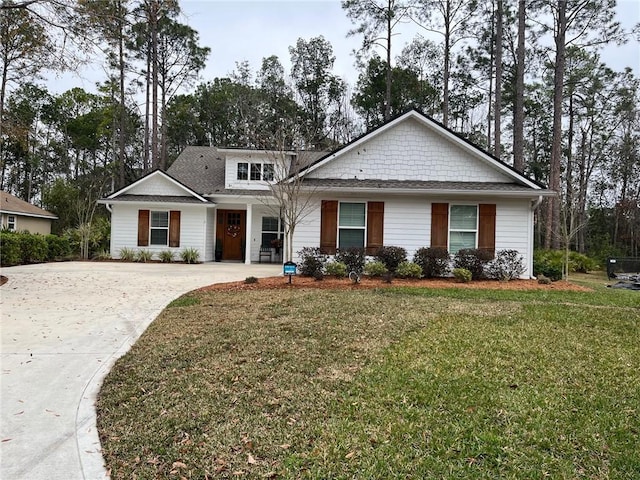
<point>463,227</point>
<point>271,230</point>
<point>256,171</point>
<point>243,171</point>
<point>351,225</point>
<point>159,228</point>
<point>11,223</point>
<point>267,172</point>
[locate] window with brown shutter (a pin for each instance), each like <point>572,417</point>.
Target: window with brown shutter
<point>375,226</point>
<point>487,227</point>
<point>143,228</point>
<point>328,226</point>
<point>440,225</point>
<point>174,228</point>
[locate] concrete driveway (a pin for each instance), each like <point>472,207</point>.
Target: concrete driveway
<point>62,327</point>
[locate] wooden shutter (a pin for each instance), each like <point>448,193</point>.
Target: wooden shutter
<point>143,228</point>
<point>328,226</point>
<point>174,228</point>
<point>440,225</point>
<point>375,226</point>
<point>487,227</point>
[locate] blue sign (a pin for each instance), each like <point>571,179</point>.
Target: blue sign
<point>290,268</point>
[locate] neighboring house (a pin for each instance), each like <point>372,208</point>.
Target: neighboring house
<point>410,183</point>
<point>19,216</point>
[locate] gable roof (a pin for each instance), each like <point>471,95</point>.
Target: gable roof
<point>122,193</point>
<point>441,130</point>
<point>14,205</point>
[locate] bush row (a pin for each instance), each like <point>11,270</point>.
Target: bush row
<point>188,255</point>
<point>550,263</point>
<point>427,263</point>
<point>17,248</point>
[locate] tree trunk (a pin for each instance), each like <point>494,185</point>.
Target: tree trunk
<point>498,102</point>
<point>518,114</point>
<point>447,55</point>
<point>147,108</point>
<point>153,23</point>
<point>491,93</point>
<point>123,116</point>
<point>387,96</point>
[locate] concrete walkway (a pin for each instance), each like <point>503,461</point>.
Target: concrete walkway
<point>63,325</point>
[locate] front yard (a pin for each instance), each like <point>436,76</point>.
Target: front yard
<point>386,383</point>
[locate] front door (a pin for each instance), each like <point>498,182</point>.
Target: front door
<point>231,233</point>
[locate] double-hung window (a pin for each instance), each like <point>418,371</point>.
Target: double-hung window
<point>159,228</point>
<point>271,230</point>
<point>463,227</point>
<point>267,172</point>
<point>351,224</point>
<point>256,171</point>
<point>11,223</point>
<point>243,171</point>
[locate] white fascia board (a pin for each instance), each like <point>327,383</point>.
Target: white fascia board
<point>151,175</point>
<point>33,215</point>
<point>245,151</point>
<point>434,192</point>
<point>106,201</point>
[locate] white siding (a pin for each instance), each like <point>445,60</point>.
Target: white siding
<point>410,151</point>
<point>231,169</point>
<point>407,223</point>
<point>124,229</point>
<point>210,235</point>
<point>157,185</point>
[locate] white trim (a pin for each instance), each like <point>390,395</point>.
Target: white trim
<point>148,177</point>
<point>34,215</point>
<point>463,204</point>
<point>434,192</point>
<point>151,227</point>
<point>12,228</point>
<point>151,203</point>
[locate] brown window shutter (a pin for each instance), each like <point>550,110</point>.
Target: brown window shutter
<point>375,226</point>
<point>174,228</point>
<point>487,227</point>
<point>328,226</point>
<point>143,228</point>
<point>440,225</point>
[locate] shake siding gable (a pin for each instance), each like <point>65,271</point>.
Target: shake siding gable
<point>157,185</point>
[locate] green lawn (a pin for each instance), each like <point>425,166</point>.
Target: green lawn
<point>390,383</point>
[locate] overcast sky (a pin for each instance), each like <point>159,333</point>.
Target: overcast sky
<point>251,30</point>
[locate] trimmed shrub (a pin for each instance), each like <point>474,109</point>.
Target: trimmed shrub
<point>391,257</point>
<point>462,275</point>
<point>127,254</point>
<point>409,270</point>
<point>337,269</point>
<point>353,258</point>
<point>375,269</point>
<point>57,247</point>
<point>144,256</point>
<point>166,256</point>
<point>33,248</point>
<point>190,255</point>
<point>312,261</point>
<point>548,263</point>
<point>580,263</point>
<point>508,265</point>
<point>10,252</point>
<point>473,260</point>
<point>433,260</point>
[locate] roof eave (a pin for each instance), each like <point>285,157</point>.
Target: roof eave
<point>436,192</point>
<point>111,201</point>
<point>34,215</point>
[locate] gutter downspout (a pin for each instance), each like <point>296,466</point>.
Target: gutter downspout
<point>108,206</point>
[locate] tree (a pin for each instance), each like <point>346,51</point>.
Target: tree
<point>378,21</point>
<point>518,108</point>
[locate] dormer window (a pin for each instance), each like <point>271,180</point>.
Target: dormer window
<point>243,171</point>
<point>267,172</point>
<point>256,171</point>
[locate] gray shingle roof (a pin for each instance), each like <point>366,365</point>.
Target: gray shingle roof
<point>199,168</point>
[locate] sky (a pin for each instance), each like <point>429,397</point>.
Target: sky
<point>252,30</point>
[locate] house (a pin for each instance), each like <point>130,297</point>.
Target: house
<point>19,216</point>
<point>411,183</point>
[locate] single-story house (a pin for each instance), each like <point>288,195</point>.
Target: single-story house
<point>411,183</point>
<point>19,216</point>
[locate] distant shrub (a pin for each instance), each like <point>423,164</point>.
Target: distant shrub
<point>144,256</point>
<point>391,257</point>
<point>580,263</point>
<point>10,252</point>
<point>409,270</point>
<point>127,254</point>
<point>33,248</point>
<point>508,265</point>
<point>353,258</point>
<point>190,255</point>
<point>434,261</point>
<point>250,280</point>
<point>337,269</point>
<point>312,261</point>
<point>473,260</point>
<point>166,256</point>
<point>462,275</point>
<point>102,255</point>
<point>375,269</point>
<point>57,247</point>
<point>549,263</point>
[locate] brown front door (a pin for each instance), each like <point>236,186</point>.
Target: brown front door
<point>231,233</point>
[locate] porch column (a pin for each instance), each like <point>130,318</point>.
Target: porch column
<point>249,235</point>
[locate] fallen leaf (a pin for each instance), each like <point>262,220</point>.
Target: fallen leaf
<point>284,446</point>
<point>250,459</point>
<point>350,455</point>
<point>178,465</point>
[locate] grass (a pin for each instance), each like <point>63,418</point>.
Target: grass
<point>390,383</point>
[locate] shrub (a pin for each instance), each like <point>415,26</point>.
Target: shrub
<point>144,256</point>
<point>391,257</point>
<point>10,253</point>
<point>434,261</point>
<point>190,255</point>
<point>127,254</point>
<point>312,261</point>
<point>580,263</point>
<point>57,247</point>
<point>507,265</point>
<point>375,269</point>
<point>166,256</point>
<point>250,280</point>
<point>473,260</point>
<point>409,270</point>
<point>33,248</point>
<point>337,269</point>
<point>353,258</point>
<point>102,255</point>
<point>462,275</point>
<point>548,263</point>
